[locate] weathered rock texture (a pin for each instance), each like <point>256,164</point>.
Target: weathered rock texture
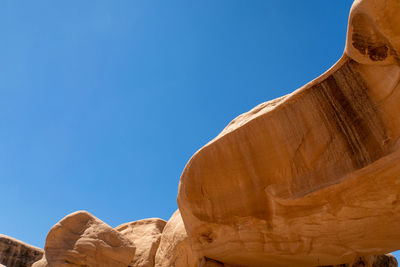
<point>17,253</point>
<point>80,239</point>
<point>387,260</point>
<point>146,235</point>
<point>373,34</point>
<point>174,249</point>
<point>311,178</point>
<point>206,262</point>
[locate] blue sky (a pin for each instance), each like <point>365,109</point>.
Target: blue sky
<point>102,103</point>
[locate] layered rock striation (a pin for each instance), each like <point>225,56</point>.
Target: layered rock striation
<point>311,178</point>
<point>308,179</point>
<point>17,253</point>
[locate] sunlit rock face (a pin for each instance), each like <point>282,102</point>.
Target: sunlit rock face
<point>175,249</point>
<point>374,33</point>
<point>80,239</point>
<point>311,178</point>
<point>17,253</point>
<point>146,235</point>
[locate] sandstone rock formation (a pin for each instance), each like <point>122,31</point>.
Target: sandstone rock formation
<point>174,249</point>
<point>387,260</point>
<point>311,178</point>
<point>80,239</point>
<point>146,235</point>
<point>42,263</point>
<point>17,253</point>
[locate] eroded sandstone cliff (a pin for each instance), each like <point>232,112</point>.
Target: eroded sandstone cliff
<point>17,253</point>
<point>311,178</point>
<point>308,179</point>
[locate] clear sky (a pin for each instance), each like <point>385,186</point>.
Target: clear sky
<point>102,103</point>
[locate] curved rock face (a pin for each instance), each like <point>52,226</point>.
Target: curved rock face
<point>146,235</point>
<point>17,253</point>
<point>174,249</point>
<point>311,178</point>
<point>373,35</point>
<point>80,239</point>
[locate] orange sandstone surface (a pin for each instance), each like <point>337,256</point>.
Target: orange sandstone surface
<point>308,179</point>
<point>311,178</point>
